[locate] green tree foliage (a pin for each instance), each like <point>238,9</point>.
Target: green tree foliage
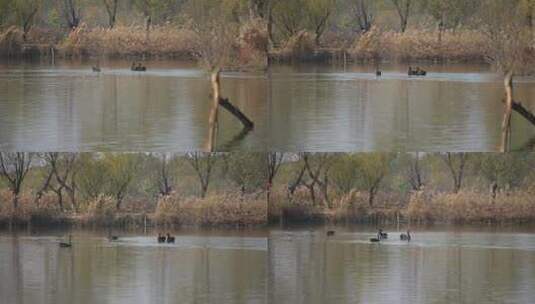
<point>373,168</point>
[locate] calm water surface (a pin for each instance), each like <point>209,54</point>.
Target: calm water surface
<point>272,266</point>
<point>66,107</point>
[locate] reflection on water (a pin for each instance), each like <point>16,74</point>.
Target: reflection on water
<point>436,267</point>
<point>197,269</point>
<point>277,266</point>
<point>309,107</point>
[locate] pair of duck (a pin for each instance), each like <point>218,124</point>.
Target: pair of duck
<point>165,238</point>
<point>417,72</point>
<point>383,236</point>
<point>138,68</point>
<point>135,67</point>
<point>412,72</point>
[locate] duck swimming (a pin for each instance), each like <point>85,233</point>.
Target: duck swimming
<point>405,237</point>
<point>66,244</point>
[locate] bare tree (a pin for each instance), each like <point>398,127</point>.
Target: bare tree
<point>373,168</point>
<point>456,163</point>
<point>25,12</point>
<point>318,14</point>
<point>258,8</point>
<point>164,178</point>
<point>415,173</point>
<point>403,8</point>
<point>203,164</point>
<point>64,167</point>
<point>49,173</point>
<point>72,13</point>
<point>362,10</point>
<point>318,174</point>
<point>273,163</point>
<point>111,9</point>
<point>14,167</point>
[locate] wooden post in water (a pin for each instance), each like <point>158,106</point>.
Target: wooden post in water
<point>508,111</point>
<point>216,93</point>
<point>217,101</point>
<point>510,105</point>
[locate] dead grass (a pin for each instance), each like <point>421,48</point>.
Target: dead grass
<point>472,207</point>
<point>11,41</point>
<point>124,41</point>
<point>413,45</point>
<point>230,209</point>
<point>29,211</point>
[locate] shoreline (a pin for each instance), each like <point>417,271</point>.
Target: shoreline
<point>176,43</point>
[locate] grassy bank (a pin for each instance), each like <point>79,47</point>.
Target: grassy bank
<point>375,45</point>
<point>223,210</point>
<point>171,41</point>
<point>236,210</point>
<point>465,207</point>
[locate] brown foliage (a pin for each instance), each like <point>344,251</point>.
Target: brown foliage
<point>231,209</point>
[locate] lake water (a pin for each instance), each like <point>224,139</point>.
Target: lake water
<point>450,265</point>
<point>67,107</point>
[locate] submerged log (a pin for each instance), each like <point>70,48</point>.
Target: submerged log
<point>247,123</point>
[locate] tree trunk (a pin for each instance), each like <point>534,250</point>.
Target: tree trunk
<point>371,197</point>
<point>15,201</point>
<point>213,120</point>
<point>59,194</point>
<point>506,123</point>
<point>204,189</point>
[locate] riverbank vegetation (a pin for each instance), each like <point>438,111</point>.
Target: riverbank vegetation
<point>394,30</point>
<point>254,189</point>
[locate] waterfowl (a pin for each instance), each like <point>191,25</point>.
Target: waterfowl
<point>96,69</point>
<point>330,233</point>
<point>406,237</point>
<point>161,238</point>
<point>68,244</point>
<point>170,239</point>
<point>375,240</point>
<point>382,235</point>
<point>378,73</point>
<point>138,68</point>
<point>112,237</point>
<point>417,72</point>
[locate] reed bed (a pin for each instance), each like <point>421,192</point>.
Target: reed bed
<point>44,211</point>
<point>236,210</point>
<point>472,207</point>
<point>459,45</point>
<point>123,41</point>
<point>230,209</point>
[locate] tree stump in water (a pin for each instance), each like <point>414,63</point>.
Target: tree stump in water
<point>506,123</point>
<point>510,105</point>
<point>217,101</point>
